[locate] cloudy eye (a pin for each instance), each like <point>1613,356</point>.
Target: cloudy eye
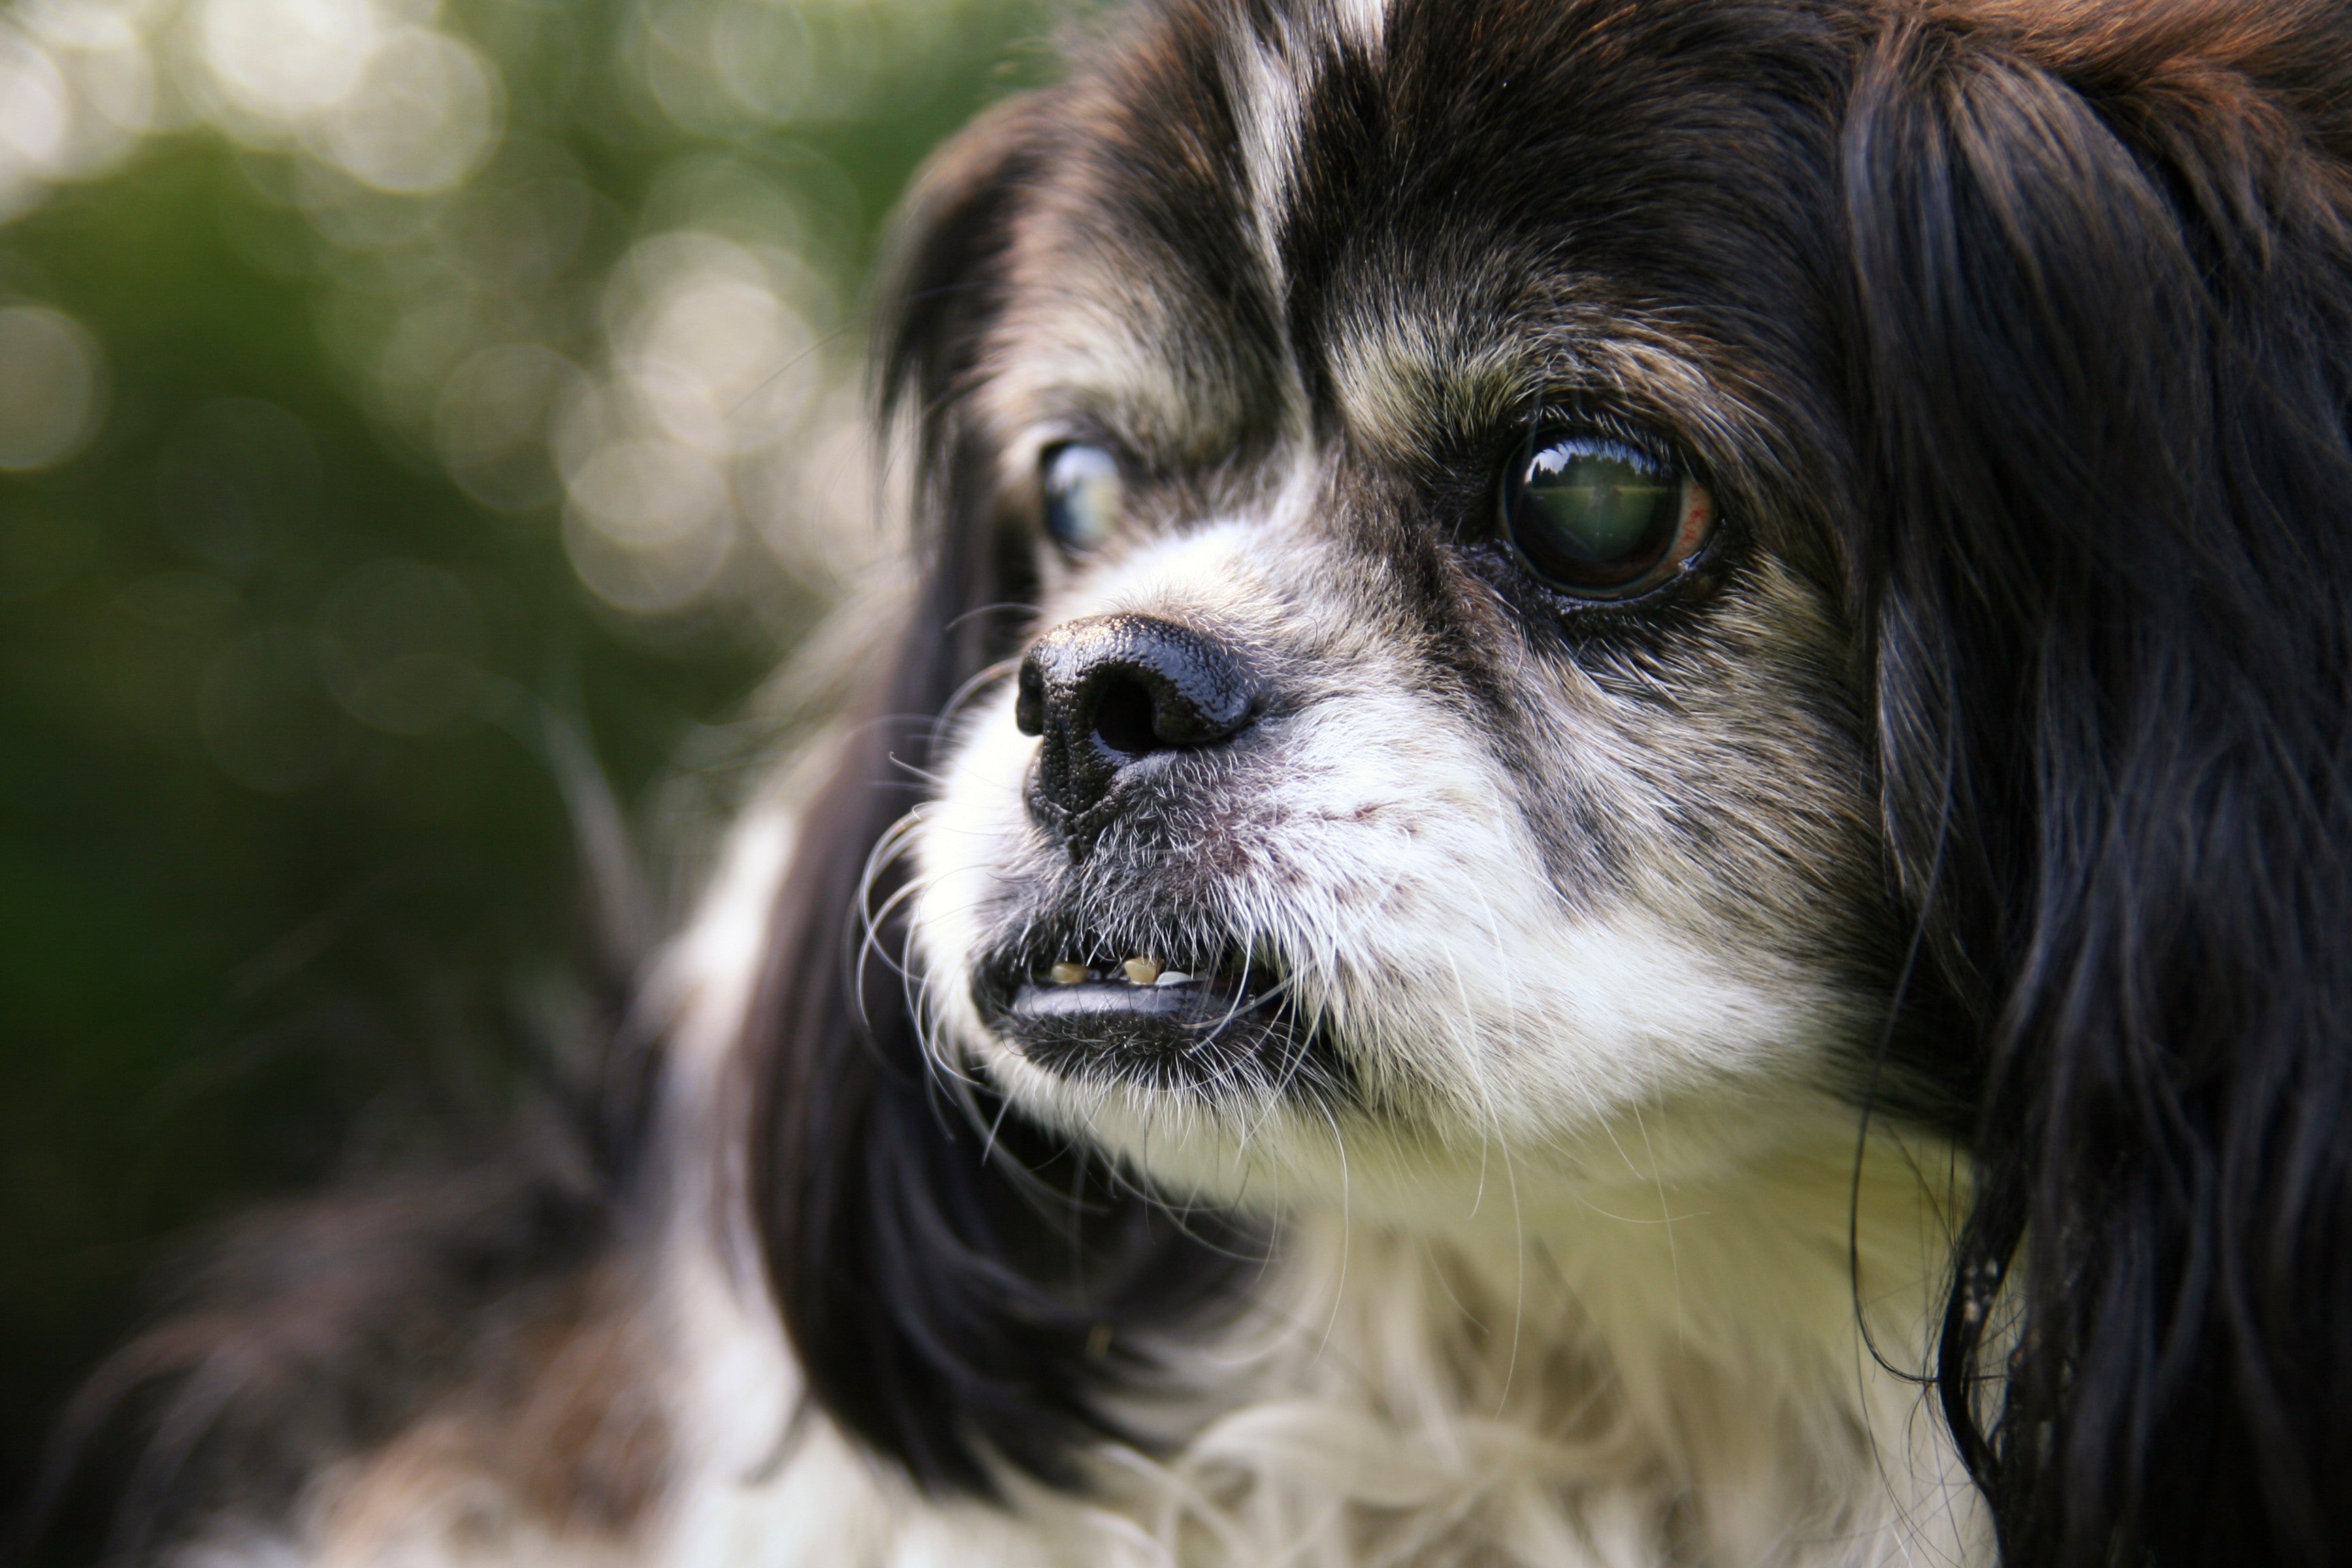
<point>1083,491</point>
<point>1597,518</point>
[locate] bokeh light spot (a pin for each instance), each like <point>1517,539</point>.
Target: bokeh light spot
<point>284,59</point>
<point>645,579</point>
<point>649,526</point>
<point>490,425</point>
<point>52,386</point>
<point>424,118</point>
<point>34,110</point>
<point>645,494</point>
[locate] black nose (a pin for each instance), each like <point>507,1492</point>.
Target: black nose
<point>1109,690</point>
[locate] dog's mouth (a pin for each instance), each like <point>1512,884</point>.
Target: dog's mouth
<point>1223,1019</point>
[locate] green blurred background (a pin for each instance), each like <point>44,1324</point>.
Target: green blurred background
<point>398,406</point>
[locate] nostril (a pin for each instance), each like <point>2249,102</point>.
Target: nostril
<point>1029,699</point>
<point>1123,719</point>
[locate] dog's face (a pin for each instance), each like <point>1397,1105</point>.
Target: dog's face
<point>1441,728</point>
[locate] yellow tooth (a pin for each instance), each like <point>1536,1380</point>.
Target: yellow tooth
<point>1142,971</point>
<point>1068,973</point>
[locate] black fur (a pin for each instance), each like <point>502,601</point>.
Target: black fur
<point>2104,334</point>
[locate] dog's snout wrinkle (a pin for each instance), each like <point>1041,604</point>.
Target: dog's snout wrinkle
<point>1105,691</point>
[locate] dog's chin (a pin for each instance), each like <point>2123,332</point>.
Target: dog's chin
<point>1243,1084</point>
<point>1223,1023</point>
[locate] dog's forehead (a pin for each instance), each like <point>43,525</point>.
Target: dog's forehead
<point>1415,221</point>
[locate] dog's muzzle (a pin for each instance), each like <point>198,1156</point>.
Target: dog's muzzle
<point>1119,702</point>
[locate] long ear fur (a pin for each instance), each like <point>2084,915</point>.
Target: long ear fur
<point>2104,288</point>
<point>943,1312</point>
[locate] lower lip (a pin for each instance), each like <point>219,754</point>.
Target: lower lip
<point>1189,1030</point>
<point>1112,1000</point>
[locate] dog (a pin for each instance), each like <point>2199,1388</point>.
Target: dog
<point>1607,825</point>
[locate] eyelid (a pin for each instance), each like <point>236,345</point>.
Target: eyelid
<point>1573,418</point>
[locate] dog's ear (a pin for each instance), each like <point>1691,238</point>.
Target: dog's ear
<point>2103,296</point>
<point>944,1312</point>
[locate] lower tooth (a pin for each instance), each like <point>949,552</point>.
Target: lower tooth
<point>1171,977</point>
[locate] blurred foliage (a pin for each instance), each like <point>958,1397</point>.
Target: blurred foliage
<point>387,394</point>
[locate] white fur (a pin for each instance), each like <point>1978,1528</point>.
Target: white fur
<point>1363,23</point>
<point>1712,1364</point>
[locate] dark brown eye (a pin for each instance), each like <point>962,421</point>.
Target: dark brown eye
<point>1597,519</point>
